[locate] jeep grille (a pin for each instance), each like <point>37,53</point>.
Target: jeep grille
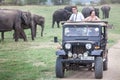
<point>78,49</point>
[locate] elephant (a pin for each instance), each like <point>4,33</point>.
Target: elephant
<point>38,20</point>
<point>27,22</point>
<point>32,21</point>
<point>86,11</point>
<point>105,10</point>
<point>60,15</point>
<point>69,8</point>
<point>11,20</point>
<point>97,11</point>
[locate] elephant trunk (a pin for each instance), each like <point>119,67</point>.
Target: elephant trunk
<point>42,24</point>
<point>42,29</point>
<point>32,25</point>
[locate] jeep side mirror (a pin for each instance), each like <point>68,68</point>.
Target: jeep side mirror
<point>55,39</point>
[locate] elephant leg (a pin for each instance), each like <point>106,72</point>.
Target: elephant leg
<point>22,33</point>
<point>32,33</point>
<point>103,15</point>
<point>35,30</point>
<point>2,36</point>
<point>19,36</point>
<point>16,35</point>
<point>42,29</point>
<point>19,33</point>
<point>58,24</point>
<point>108,15</point>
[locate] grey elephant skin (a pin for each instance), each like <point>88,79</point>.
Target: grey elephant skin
<point>68,8</point>
<point>31,22</point>
<point>105,10</point>
<point>86,11</point>
<point>11,20</point>
<point>60,15</point>
<point>38,20</point>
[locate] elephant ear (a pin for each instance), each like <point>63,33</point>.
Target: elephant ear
<point>29,17</point>
<point>67,14</point>
<point>24,18</point>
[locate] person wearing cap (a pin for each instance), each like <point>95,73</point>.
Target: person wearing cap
<point>76,16</point>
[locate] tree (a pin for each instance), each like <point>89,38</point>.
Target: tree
<point>1,2</point>
<point>61,2</point>
<point>20,2</point>
<point>103,2</point>
<point>115,1</point>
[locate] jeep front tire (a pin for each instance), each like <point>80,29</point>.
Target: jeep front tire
<point>105,64</point>
<point>98,68</point>
<point>59,68</point>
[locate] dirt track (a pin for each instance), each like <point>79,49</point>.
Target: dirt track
<point>113,72</point>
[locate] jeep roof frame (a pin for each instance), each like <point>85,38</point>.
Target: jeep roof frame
<point>101,23</point>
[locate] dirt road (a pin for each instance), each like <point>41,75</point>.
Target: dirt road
<point>113,72</point>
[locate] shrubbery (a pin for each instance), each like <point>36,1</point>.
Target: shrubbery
<point>55,2</point>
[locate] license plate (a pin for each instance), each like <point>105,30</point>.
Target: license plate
<point>87,58</point>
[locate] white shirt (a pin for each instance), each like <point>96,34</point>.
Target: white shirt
<point>76,17</point>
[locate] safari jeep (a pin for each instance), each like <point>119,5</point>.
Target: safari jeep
<point>84,45</point>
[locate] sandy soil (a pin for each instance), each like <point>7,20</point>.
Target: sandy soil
<point>113,72</point>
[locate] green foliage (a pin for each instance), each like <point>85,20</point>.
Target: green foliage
<point>35,1</point>
<point>23,2</point>
<point>105,1</point>
<point>61,2</point>
<point>109,1</point>
<point>9,1</point>
<point>115,1</point>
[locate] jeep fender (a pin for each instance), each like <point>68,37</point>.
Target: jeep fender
<point>96,53</point>
<point>60,52</point>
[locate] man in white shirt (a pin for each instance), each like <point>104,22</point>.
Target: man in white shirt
<point>76,16</point>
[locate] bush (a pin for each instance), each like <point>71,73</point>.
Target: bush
<point>35,1</point>
<point>61,2</point>
<point>24,2</point>
<point>103,2</point>
<point>115,1</point>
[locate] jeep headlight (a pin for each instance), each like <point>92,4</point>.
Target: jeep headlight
<point>88,46</point>
<point>67,46</point>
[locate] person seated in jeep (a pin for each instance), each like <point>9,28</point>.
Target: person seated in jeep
<point>76,16</point>
<point>92,17</point>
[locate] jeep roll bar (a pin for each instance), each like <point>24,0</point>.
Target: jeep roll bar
<point>62,22</point>
<point>109,26</point>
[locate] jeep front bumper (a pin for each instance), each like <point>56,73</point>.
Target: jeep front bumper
<point>77,61</point>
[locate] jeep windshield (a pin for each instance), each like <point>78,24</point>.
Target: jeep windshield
<point>80,30</point>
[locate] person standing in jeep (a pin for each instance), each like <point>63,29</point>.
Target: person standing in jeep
<point>76,16</point>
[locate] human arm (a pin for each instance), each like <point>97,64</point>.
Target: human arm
<point>97,19</point>
<point>82,17</point>
<point>87,19</point>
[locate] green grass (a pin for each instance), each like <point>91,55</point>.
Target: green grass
<point>35,60</point>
